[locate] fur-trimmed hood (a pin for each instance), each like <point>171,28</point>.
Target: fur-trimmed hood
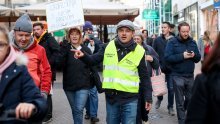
<point>21,59</point>
<point>12,57</point>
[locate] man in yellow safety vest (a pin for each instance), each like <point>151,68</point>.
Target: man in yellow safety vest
<point>124,74</point>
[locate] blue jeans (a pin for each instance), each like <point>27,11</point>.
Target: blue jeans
<point>170,91</point>
<point>125,113</point>
<point>92,103</point>
<point>77,100</point>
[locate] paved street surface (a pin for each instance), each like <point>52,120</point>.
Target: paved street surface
<point>62,111</point>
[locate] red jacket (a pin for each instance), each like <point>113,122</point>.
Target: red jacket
<point>38,66</point>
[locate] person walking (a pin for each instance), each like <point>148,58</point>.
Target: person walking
<point>93,44</point>
<point>159,46</point>
<point>182,53</point>
<point>205,44</point>
<point>204,105</point>
<point>124,73</point>
<point>38,65</point>
<point>147,40</point>
<point>52,48</point>
<point>76,74</point>
<point>152,62</point>
<point>17,89</point>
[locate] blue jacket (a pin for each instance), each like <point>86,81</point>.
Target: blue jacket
<point>174,56</point>
<point>17,86</point>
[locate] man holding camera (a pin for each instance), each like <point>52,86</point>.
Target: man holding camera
<point>182,53</point>
<point>93,44</point>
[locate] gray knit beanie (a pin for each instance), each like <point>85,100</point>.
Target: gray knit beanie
<point>24,24</point>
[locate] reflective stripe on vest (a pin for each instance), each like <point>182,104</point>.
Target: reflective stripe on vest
<point>124,70</point>
<point>123,75</point>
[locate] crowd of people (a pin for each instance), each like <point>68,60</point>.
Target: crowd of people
<point>30,56</point>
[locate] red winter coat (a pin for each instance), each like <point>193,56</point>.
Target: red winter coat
<point>38,66</point>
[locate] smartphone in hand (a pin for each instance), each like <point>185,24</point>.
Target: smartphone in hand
<point>189,51</point>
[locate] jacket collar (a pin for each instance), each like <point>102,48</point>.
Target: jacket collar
<point>183,41</point>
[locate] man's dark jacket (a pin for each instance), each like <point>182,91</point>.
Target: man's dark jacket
<point>52,50</point>
<point>159,46</point>
<point>174,56</point>
<point>149,41</point>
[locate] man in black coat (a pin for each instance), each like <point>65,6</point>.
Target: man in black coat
<point>159,46</point>
<point>52,48</point>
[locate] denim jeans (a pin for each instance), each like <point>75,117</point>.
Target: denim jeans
<point>92,103</point>
<point>124,113</point>
<point>170,91</point>
<point>77,100</point>
<point>183,91</point>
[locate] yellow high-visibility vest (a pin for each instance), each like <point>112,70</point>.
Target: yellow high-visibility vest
<point>123,75</point>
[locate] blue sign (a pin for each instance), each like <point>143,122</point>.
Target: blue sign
<point>216,4</point>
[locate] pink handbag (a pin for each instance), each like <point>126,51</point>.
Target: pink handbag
<point>158,83</point>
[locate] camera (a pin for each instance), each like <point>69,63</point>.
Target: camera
<point>91,37</point>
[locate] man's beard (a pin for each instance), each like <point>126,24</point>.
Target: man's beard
<point>37,36</point>
<point>183,39</point>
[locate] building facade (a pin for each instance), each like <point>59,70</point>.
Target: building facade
<point>187,11</point>
<point>164,9</point>
<point>200,14</point>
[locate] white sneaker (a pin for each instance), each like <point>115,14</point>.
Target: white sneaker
<point>145,122</point>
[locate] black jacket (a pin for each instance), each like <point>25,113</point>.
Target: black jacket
<point>155,63</point>
<point>204,107</point>
<point>76,74</point>
<point>159,46</point>
<point>52,50</point>
<point>119,96</point>
<point>149,41</point>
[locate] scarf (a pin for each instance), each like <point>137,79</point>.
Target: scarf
<point>39,39</point>
<point>8,61</point>
<point>124,45</point>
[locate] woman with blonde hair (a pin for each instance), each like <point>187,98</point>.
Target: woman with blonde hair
<point>204,45</point>
<point>76,74</point>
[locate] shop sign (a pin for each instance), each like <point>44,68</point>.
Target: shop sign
<point>150,14</point>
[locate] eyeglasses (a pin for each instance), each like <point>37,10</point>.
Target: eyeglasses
<point>3,45</point>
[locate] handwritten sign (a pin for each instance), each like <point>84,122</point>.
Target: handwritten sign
<point>64,14</point>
